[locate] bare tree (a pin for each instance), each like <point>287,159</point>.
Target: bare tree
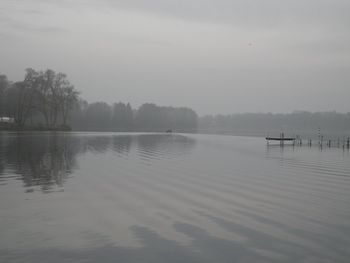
<point>4,84</point>
<point>43,92</point>
<point>68,98</point>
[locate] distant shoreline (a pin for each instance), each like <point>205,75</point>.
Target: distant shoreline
<point>306,134</point>
<point>16,127</point>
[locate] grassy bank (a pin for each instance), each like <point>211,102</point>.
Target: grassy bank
<point>16,127</point>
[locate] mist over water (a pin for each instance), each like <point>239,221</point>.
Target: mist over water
<point>135,131</point>
<point>123,197</point>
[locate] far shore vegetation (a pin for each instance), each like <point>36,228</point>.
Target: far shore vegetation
<point>47,101</point>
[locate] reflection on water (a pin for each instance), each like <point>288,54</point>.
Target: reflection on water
<point>107,197</point>
<point>43,161</point>
<point>47,160</point>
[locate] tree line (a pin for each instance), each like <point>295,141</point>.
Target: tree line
<point>122,117</point>
<point>47,99</point>
<point>300,122</point>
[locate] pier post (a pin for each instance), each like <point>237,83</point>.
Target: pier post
<point>348,143</point>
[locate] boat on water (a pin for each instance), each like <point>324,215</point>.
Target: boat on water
<point>280,139</point>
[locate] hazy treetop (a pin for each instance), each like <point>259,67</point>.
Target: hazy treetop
<point>221,56</point>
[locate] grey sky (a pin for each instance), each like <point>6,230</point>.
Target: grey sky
<point>216,56</point>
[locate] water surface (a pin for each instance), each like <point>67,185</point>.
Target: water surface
<point>108,197</point>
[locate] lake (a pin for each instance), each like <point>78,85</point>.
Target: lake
<point>123,197</point>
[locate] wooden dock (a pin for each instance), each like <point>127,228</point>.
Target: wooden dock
<point>344,143</point>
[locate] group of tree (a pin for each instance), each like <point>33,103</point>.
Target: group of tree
<point>101,116</point>
<point>299,122</point>
<point>122,117</point>
<point>43,96</point>
<point>47,99</point>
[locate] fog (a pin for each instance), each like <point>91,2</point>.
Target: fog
<point>213,56</point>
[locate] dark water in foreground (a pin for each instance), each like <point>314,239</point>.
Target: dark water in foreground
<point>97,197</point>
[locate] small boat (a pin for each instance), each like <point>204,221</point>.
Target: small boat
<point>279,139</point>
<point>169,131</point>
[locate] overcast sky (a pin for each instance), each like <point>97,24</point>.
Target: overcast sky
<point>215,56</point>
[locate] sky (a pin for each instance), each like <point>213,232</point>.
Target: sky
<point>215,56</point>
